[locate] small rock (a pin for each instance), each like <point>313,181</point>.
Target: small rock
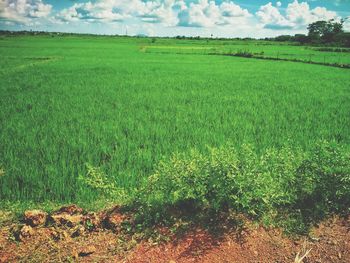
<point>114,220</point>
<point>35,217</point>
<point>70,209</point>
<point>25,232</point>
<point>92,221</point>
<point>86,251</point>
<point>59,235</point>
<point>339,255</point>
<point>67,220</point>
<point>78,231</point>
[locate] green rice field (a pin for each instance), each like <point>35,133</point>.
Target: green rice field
<point>260,49</point>
<point>123,104</point>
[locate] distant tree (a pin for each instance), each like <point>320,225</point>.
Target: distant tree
<point>325,31</point>
<point>301,38</point>
<point>284,38</point>
<point>343,39</point>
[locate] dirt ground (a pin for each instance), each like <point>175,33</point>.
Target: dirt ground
<point>327,242</point>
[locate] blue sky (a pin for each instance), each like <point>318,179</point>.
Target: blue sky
<point>222,18</point>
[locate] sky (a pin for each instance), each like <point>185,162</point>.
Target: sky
<point>205,18</point>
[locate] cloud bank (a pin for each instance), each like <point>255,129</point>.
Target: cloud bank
<point>200,14</point>
<point>297,15</point>
<point>23,11</point>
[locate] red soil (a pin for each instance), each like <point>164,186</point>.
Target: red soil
<point>329,242</point>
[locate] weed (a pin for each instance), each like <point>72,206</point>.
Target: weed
<point>2,171</point>
<point>300,186</point>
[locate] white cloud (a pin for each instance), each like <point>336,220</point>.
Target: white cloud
<point>118,10</point>
<point>201,14</point>
<point>22,11</point>
<point>271,17</point>
<point>297,15</point>
<point>168,12</point>
<point>105,11</point>
<point>204,13</point>
<point>209,14</point>
<point>230,9</point>
<point>301,14</point>
<point>160,12</point>
<point>321,13</point>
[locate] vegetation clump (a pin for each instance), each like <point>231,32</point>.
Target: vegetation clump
<point>2,171</point>
<point>303,185</point>
<point>322,32</point>
<point>243,53</point>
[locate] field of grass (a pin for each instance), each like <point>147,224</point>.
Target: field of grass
<point>261,49</point>
<point>120,105</point>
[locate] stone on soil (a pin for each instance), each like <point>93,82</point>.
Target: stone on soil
<point>65,219</point>
<point>70,209</point>
<point>25,232</point>
<point>35,217</point>
<point>86,251</point>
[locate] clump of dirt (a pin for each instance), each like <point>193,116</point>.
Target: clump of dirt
<point>72,234</point>
<point>35,217</point>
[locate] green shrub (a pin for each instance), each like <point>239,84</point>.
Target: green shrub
<point>287,185</point>
<point>328,167</point>
<point>98,181</point>
<point>244,53</point>
<point>261,186</point>
<point>2,171</point>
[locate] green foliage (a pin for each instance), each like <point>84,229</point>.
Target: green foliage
<point>325,31</point>
<point>244,53</point>
<point>2,171</point>
<point>97,180</point>
<point>328,170</point>
<point>329,33</point>
<point>265,49</point>
<point>264,186</point>
<point>76,99</point>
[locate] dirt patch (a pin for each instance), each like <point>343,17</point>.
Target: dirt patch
<point>256,245</point>
<point>88,242</point>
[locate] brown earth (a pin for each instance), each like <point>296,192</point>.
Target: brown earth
<point>100,240</point>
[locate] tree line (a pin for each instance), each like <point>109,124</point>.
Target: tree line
<point>329,33</point>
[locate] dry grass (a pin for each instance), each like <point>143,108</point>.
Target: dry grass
<point>303,253</point>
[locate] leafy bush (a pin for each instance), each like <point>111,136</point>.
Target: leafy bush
<point>2,171</point>
<point>265,185</point>
<point>97,180</point>
<point>328,167</point>
<point>244,53</point>
<point>287,185</point>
